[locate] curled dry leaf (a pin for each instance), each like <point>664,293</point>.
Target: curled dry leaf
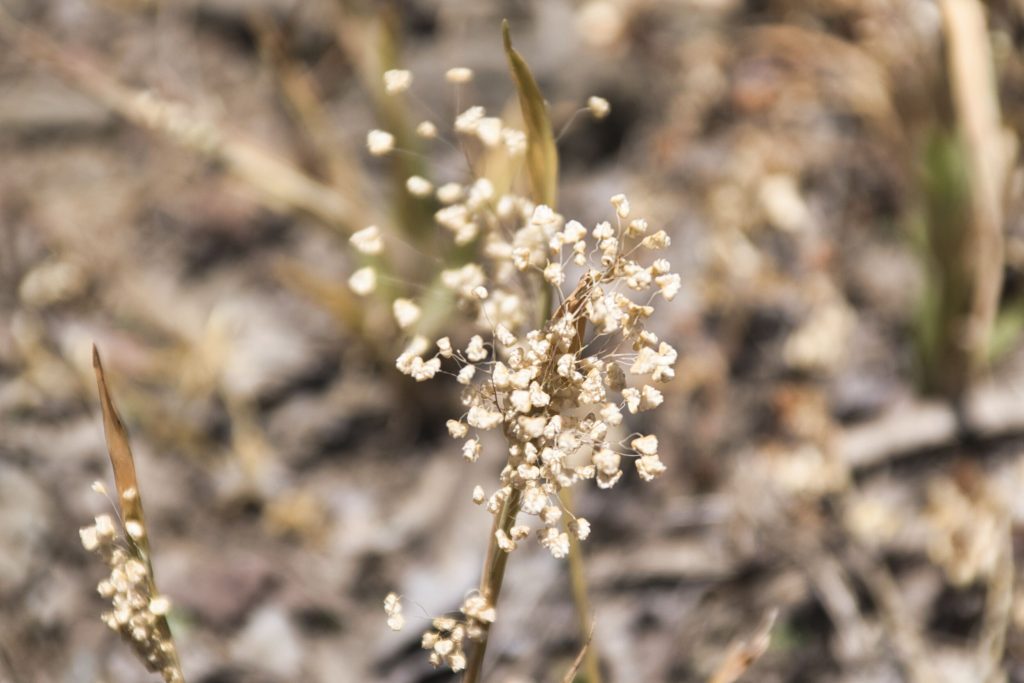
<point>121,459</point>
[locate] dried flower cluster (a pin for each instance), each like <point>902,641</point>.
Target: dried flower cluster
<point>447,635</point>
<point>555,393</point>
<point>137,613</point>
<point>555,384</point>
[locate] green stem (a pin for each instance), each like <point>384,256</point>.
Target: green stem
<point>491,579</point>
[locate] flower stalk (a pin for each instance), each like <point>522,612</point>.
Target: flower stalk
<point>491,578</point>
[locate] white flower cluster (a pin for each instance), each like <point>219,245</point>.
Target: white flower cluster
<point>556,384</point>
<point>137,614</point>
<point>556,392</point>
<point>446,638</point>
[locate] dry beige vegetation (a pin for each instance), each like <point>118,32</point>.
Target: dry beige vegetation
<point>843,437</point>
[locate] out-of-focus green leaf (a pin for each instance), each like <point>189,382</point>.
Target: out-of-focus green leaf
<point>541,153</point>
<point>943,310</point>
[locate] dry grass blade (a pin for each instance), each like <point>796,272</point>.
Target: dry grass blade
<point>541,152</point>
<point>989,157</point>
<point>578,662</point>
<point>743,654</point>
<point>121,458</point>
<point>140,610</point>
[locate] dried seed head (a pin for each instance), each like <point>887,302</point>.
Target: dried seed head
<point>367,241</point>
<point>364,281</point>
<point>137,614</point>
<point>407,313</point>
<point>459,75</point>
<point>393,610</point>
<point>160,605</point>
<point>426,130</point>
<point>135,529</point>
<point>397,81</point>
<point>419,186</point>
<point>380,142</point>
<point>598,106</point>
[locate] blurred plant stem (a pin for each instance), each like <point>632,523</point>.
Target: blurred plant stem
<point>580,593</point>
<point>305,106</point>
<point>277,183</point>
<point>966,163</point>
<point>491,579</point>
<point>542,167</point>
<point>370,40</point>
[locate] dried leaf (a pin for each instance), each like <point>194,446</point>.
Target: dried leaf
<point>120,452</point>
<point>541,152</point>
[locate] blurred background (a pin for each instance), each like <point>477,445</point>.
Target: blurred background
<point>844,437</point>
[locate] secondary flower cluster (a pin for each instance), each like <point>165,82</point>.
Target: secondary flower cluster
<point>447,635</point>
<point>137,614</point>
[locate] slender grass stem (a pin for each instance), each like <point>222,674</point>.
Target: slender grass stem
<point>580,594</point>
<point>491,579</point>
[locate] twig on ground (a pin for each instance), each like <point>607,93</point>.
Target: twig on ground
<point>907,641</point>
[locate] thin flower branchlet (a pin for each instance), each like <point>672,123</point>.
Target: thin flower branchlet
<point>137,611</point>
<point>556,392</point>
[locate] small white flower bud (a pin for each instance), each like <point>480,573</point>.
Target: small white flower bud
<point>160,605</point>
<point>466,374</point>
<point>658,240</point>
<point>504,542</point>
<point>363,281</point>
<point>426,130</point>
<point>456,429</point>
<point>90,539</point>
<point>406,312</point>
<point>471,450</point>
<point>476,351</point>
<point>645,445</point>
<point>105,529</point>
<point>449,193</point>
<point>444,347</point>
<point>397,81</point>
<point>580,527</point>
<point>419,186</point>
<point>459,75</point>
<point>621,205</point>
<point>367,241</point>
<point>598,106</point>
<point>135,529</point>
<point>649,466</point>
<point>488,130</point>
<point>379,142</point>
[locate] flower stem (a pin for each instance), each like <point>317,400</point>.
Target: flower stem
<point>491,579</point>
<point>580,597</point>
